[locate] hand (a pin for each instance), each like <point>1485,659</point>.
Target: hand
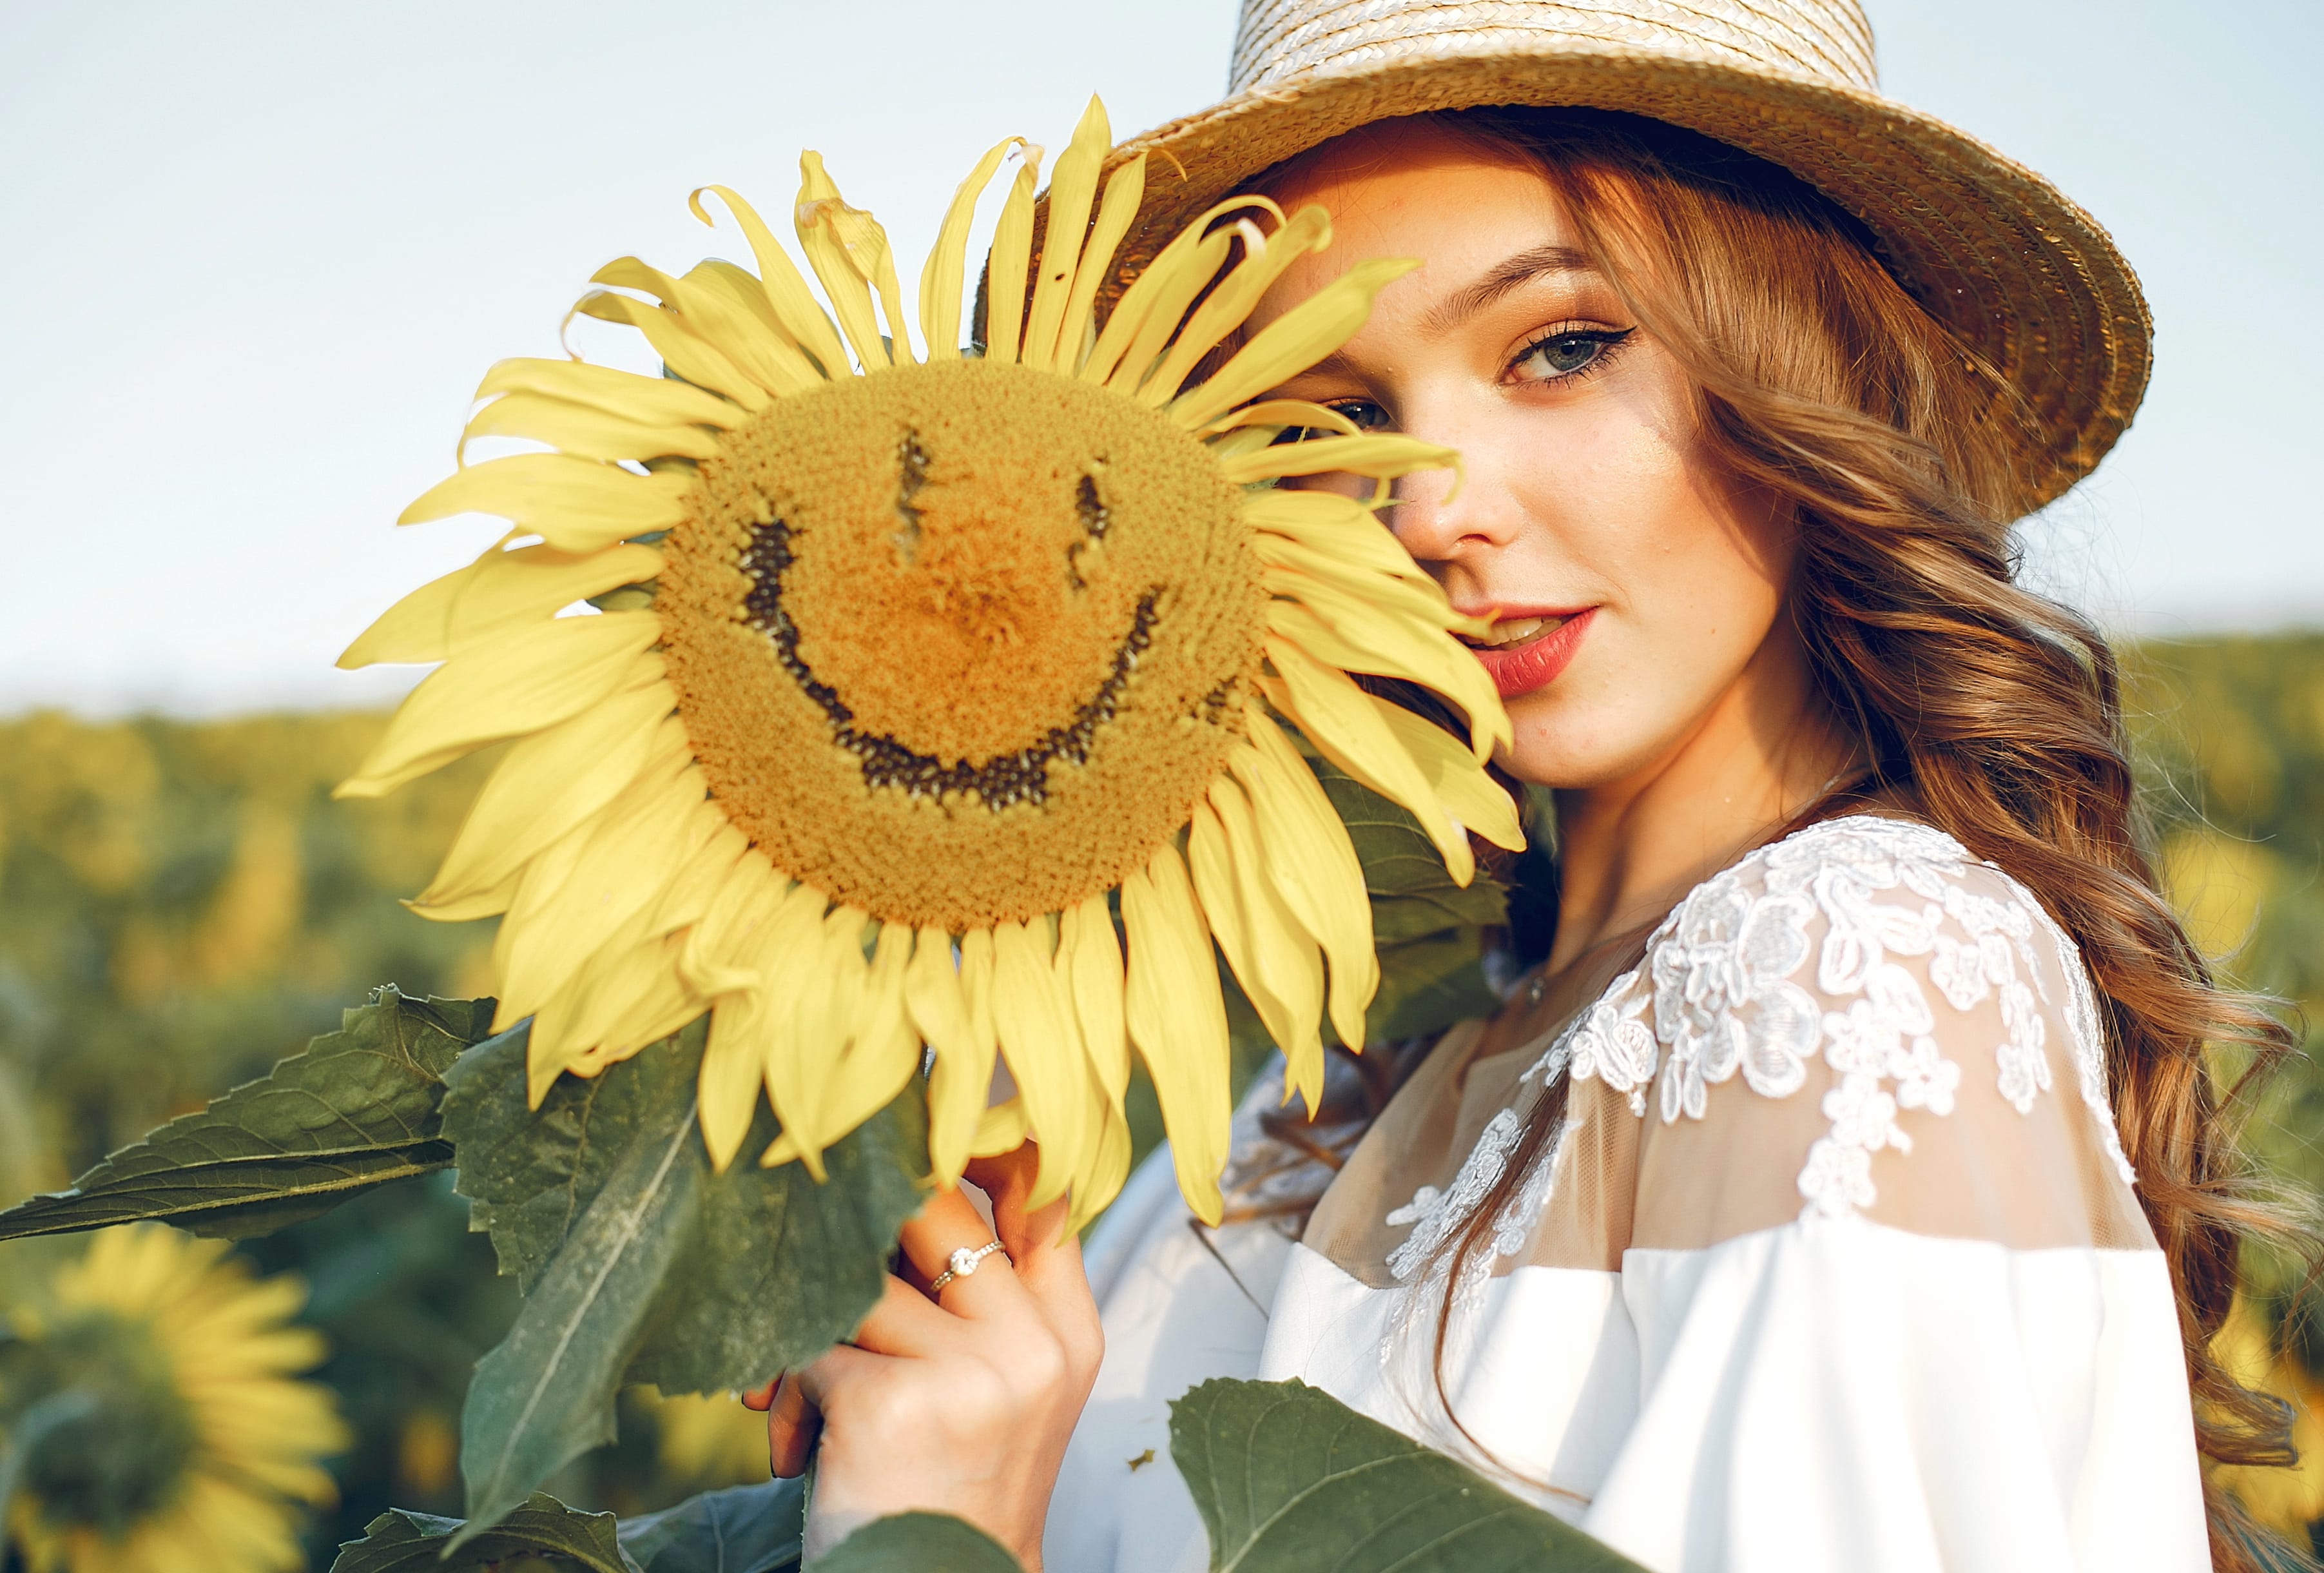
<point>962,1404</point>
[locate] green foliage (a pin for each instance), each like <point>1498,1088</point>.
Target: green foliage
<point>356,1110</point>
<point>918,1542</point>
<point>1287,1478</point>
<point>542,1528</point>
<point>745,1529</point>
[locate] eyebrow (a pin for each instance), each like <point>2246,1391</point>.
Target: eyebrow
<point>1500,279</point>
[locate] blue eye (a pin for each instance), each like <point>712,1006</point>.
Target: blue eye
<point>1366,416</point>
<point>1569,353</point>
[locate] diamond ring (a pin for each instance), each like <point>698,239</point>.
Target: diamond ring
<point>961,1264</point>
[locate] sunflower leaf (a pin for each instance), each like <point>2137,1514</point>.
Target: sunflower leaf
<point>1428,983</point>
<point>744,1529</point>
<point>400,1542</point>
<point>915,1542</point>
<point>356,1109</point>
<point>638,1263</point>
<point>1404,873</point>
<point>1287,1477</point>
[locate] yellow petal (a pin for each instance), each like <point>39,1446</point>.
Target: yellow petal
<point>1335,627</point>
<point>1222,311</point>
<point>714,959</point>
<point>414,629</point>
<point>1039,1040</point>
<point>588,432</point>
<point>962,1074</point>
<point>648,401</point>
<point>1178,1021</point>
<point>1002,1128</point>
<point>689,898</point>
<point>1292,342</point>
<point>847,249</point>
<point>633,849</point>
<point>1072,185</point>
<point>1163,310</point>
<point>1344,530</point>
<point>1460,782</point>
<point>886,1052</point>
<point>1277,414</point>
<point>1273,956</point>
<point>1124,188</point>
<point>531,584</point>
<point>1148,311</point>
<point>1314,866</point>
<point>574,504</point>
<point>794,305</point>
<point>810,1039</point>
<point>1340,719</point>
<point>1005,267</point>
<point>732,308</point>
<point>944,277</point>
<point>1090,953</point>
<point>550,782</point>
<point>682,351</point>
<point>529,679</point>
<point>1105,1162</point>
<point>1381,456</point>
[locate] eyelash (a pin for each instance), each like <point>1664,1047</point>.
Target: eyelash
<point>1609,341</point>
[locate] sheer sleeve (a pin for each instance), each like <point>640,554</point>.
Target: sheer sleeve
<point>1896,1306</point>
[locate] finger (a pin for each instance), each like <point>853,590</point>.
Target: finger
<point>905,1322</point>
<point>761,1398</point>
<point>1007,1178</point>
<point>822,1377</point>
<point>792,1426</point>
<point>948,1223</point>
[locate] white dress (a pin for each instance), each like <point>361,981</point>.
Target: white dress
<point>1836,1263</point>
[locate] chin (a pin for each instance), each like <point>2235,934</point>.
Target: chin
<point>1567,747</point>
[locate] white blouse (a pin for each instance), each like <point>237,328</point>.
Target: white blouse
<point>1834,1263</point>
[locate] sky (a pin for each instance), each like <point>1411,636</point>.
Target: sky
<point>257,256</point>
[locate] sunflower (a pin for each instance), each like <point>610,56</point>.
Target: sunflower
<point>911,672</point>
<point>176,1437</point>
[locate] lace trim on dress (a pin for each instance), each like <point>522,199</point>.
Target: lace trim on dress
<point>1884,889</point>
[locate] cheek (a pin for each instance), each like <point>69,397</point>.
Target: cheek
<point>1689,581</point>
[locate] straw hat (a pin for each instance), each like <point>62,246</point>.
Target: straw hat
<point>1989,248</point>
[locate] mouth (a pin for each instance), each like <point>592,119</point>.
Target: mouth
<point>1526,649</point>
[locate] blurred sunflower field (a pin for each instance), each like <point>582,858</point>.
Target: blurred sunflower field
<point>181,904</point>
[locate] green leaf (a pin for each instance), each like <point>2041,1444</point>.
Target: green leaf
<point>357,1108</point>
<point>398,1541</point>
<point>744,1529</point>
<point>919,1542</point>
<point>1404,874</point>
<point>1428,983</point>
<point>639,1264</point>
<point>1290,1479</point>
<point>545,1395</point>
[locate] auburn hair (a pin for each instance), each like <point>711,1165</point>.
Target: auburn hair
<point>1990,710</point>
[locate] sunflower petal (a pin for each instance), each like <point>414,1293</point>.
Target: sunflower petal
<point>1177,1019</point>
<point>1124,188</point>
<point>684,353</point>
<point>531,584</point>
<point>936,992</point>
<point>726,1091</point>
<point>1280,966</point>
<point>794,305</point>
<point>1460,782</point>
<point>1006,265</point>
<point>1335,627</point>
<point>1073,184</point>
<point>1344,530</point>
<point>520,684</point>
<point>1002,1128</point>
<point>1105,1162</point>
<point>730,304</point>
<point>414,629</point>
<point>1042,1045</point>
<point>648,401</point>
<point>1381,455</point>
<point>585,431</point>
<point>886,1052</point>
<point>1222,311</point>
<point>549,783</point>
<point>845,246</point>
<point>1150,311</point>
<point>1346,728</point>
<point>1320,875</point>
<point>1091,952</point>
<point>574,504</point>
<point>1292,342</point>
<point>944,276</point>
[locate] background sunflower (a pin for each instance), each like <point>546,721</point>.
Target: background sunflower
<point>153,1420</point>
<point>912,677</point>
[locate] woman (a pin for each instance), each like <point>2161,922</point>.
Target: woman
<point>1843,1189</point>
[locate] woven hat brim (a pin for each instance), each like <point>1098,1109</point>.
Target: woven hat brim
<point>2021,274</point>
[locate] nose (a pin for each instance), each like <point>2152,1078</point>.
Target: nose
<point>1442,517</point>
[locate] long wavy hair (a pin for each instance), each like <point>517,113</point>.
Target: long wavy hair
<point>1990,710</point>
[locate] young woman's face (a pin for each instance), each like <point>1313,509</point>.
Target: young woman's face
<point>1634,592</point>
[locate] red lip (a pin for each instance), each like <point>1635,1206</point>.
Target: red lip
<point>1520,668</point>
